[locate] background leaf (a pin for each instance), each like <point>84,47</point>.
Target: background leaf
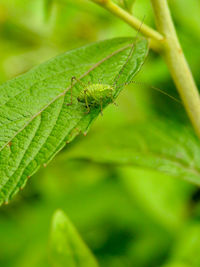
<point>48,4</point>
<point>36,122</point>
<point>185,250</point>
<point>66,246</point>
<point>127,4</point>
<point>156,145</point>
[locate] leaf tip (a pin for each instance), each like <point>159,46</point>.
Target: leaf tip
<point>58,217</point>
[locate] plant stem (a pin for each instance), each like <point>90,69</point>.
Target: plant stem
<point>155,37</point>
<point>177,63</point>
<point>166,43</point>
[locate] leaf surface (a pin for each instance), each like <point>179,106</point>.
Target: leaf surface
<point>36,123</point>
<point>163,146</point>
<point>185,249</point>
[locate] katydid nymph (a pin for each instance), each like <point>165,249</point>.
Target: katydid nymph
<point>96,94</point>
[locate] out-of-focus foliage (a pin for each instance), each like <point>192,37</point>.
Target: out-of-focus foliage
<point>161,148</point>
<point>66,246</point>
<point>126,4</point>
<point>127,216</point>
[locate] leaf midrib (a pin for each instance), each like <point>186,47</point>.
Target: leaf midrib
<point>44,79</point>
<point>65,91</point>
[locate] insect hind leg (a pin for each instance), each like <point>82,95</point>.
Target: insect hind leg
<point>72,80</point>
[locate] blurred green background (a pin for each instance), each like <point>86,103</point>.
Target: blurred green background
<point>127,216</point>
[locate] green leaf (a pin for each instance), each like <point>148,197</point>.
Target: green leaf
<point>66,246</point>
<point>161,196</point>
<point>48,5</point>
<point>36,123</point>
<point>162,146</point>
<point>176,264</point>
<point>126,4</point>
<point>186,249</point>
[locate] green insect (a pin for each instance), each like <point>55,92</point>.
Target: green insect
<point>94,95</point>
<point>97,94</point>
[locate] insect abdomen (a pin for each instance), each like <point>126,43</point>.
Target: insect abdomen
<point>95,93</point>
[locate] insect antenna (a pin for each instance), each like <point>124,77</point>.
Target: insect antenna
<point>136,82</point>
<point>154,88</point>
<point>130,54</point>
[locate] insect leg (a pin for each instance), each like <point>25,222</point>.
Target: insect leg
<point>111,96</point>
<point>78,81</point>
<point>72,81</point>
<point>72,84</point>
<point>86,101</point>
